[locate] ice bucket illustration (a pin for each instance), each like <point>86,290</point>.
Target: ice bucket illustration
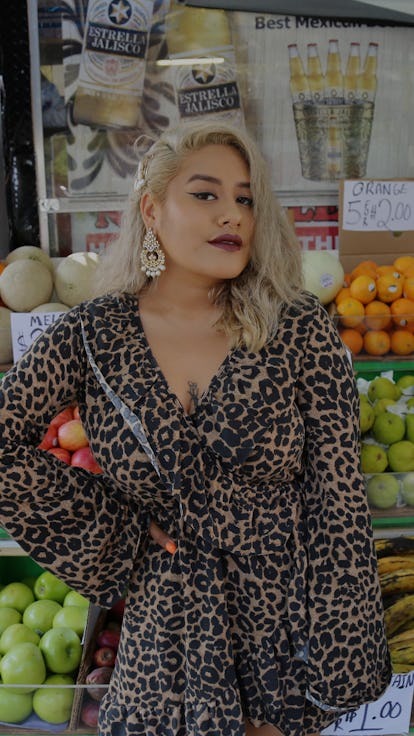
<point>333,140</point>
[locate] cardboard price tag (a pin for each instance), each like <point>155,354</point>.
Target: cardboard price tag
<point>26,327</point>
<point>387,716</point>
<point>378,205</point>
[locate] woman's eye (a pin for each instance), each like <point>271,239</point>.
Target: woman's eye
<point>204,195</point>
<point>247,201</point>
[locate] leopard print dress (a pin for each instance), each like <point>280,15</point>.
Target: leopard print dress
<point>270,609</point>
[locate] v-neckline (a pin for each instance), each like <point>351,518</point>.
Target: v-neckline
<point>163,379</point>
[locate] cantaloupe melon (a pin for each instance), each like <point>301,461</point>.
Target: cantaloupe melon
<point>24,284</point>
<point>52,307</point>
<point>74,278</point>
<point>33,253</point>
<point>6,350</point>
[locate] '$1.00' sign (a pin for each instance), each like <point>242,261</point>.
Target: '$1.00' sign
<point>387,716</point>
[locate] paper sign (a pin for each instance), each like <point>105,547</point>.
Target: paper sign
<point>378,205</point>
<point>389,715</point>
<point>26,327</point>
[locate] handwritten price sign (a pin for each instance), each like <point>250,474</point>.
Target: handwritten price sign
<point>378,205</point>
<point>26,327</point>
<point>390,714</point>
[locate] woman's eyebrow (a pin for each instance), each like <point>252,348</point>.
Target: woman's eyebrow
<point>214,180</point>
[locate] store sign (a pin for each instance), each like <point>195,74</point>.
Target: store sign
<point>387,716</point>
<point>378,205</point>
<point>26,327</point>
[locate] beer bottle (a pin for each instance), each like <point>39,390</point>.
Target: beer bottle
<point>334,86</point>
<point>112,68</point>
<point>314,73</point>
<point>299,85</point>
<point>334,149</point>
<point>202,55</point>
<point>351,78</point>
<point>368,78</point>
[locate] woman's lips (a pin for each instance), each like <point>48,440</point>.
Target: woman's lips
<point>230,243</point>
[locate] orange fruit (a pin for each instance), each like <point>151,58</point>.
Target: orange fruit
<point>402,342</point>
<point>3,265</point>
<point>351,312</point>
<point>408,287</point>
<point>387,270</point>
<point>389,288</point>
<point>363,288</point>
<point>343,293</point>
<point>403,311</point>
<point>365,268</point>
<point>347,279</point>
<point>352,339</point>
<point>403,262</point>
<point>377,315</point>
<point>409,272</point>
<point>377,342</point>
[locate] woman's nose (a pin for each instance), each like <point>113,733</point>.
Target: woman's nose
<point>231,217</point>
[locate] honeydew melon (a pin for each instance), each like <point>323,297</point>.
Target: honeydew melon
<point>51,307</point>
<point>24,284</point>
<point>30,252</point>
<point>6,350</point>
<point>323,274</point>
<point>74,277</point>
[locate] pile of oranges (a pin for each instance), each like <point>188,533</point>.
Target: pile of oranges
<point>375,308</point>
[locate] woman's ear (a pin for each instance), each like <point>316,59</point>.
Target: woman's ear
<point>148,209</point>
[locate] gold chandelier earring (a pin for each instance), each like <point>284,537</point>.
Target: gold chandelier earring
<point>152,257</point>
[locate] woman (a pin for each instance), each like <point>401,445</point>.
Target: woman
<point>221,405</point>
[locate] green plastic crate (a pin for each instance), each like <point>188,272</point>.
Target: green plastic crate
<point>13,569</point>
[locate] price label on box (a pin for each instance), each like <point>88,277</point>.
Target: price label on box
<point>388,716</point>
<point>26,327</point>
<point>378,205</point>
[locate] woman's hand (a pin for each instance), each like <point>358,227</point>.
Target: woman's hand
<point>161,538</point>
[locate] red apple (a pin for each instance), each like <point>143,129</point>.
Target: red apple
<point>50,439</point>
<point>117,610</point>
<point>99,676</point>
<point>61,454</point>
<point>72,436</point>
<point>89,713</point>
<point>104,656</point>
<point>108,638</point>
<point>64,416</point>
<point>83,458</point>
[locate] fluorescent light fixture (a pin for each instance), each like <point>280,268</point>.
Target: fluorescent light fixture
<point>191,61</point>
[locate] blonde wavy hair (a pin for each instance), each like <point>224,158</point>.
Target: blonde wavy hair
<point>252,302</point>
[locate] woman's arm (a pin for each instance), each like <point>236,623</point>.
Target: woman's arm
<point>78,525</point>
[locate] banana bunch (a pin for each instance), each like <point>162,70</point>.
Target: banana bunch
<point>396,574</point>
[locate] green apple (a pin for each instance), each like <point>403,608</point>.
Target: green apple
<point>383,388</point>
<point>15,634</point>
<point>74,617</point>
<point>48,586</point>
<point>405,382</point>
<point>407,488</point>
<point>373,458</point>
<point>15,707</point>
<point>401,456</point>
<point>62,650</point>
<point>73,598</point>
<point>409,420</point>
<point>30,581</point>
<point>366,416</point>
<point>9,616</point>
<point>383,490</point>
<point>54,704</point>
<point>23,665</point>
<point>16,595</point>
<point>388,428</point>
<point>40,614</point>
<point>382,405</point>
<point>410,403</point>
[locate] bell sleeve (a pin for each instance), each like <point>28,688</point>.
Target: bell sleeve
<point>348,661</point>
<point>79,525</point>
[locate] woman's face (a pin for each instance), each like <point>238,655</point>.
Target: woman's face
<point>205,225</point>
